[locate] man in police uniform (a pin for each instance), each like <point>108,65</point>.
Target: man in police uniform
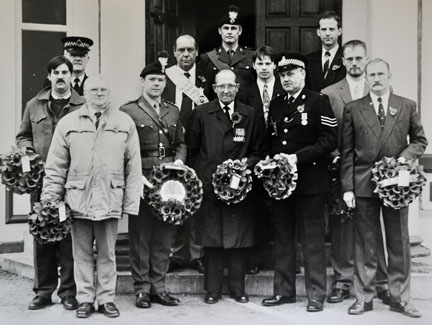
<point>161,140</point>
<point>304,129</point>
<point>230,55</point>
<point>76,49</point>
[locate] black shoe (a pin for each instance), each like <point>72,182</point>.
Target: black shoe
<point>109,310</point>
<point>253,270</point>
<point>142,300</point>
<point>338,295</point>
<point>384,296</point>
<point>165,299</point>
<point>174,265</point>
<point>298,270</point>
<point>278,300</point>
<point>69,303</point>
<point>39,302</point>
<point>241,298</point>
<point>198,265</point>
<point>211,298</point>
<point>359,307</point>
<point>405,308</point>
<point>314,305</point>
<point>84,310</point>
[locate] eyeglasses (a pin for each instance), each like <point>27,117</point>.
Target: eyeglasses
<point>95,91</point>
<point>230,87</point>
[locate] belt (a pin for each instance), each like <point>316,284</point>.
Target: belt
<point>161,152</point>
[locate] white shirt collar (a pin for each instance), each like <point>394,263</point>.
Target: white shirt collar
<point>356,84</point>
<point>385,100</point>
<point>151,101</point>
<point>230,48</point>
<point>81,79</point>
<point>295,95</point>
<point>93,111</point>
<point>230,105</point>
<point>66,96</point>
<point>332,53</point>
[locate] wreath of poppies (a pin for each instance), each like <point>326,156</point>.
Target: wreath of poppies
<point>44,221</point>
<point>178,205</point>
<point>279,177</point>
<point>232,180</point>
<point>387,174</point>
<point>15,176</point>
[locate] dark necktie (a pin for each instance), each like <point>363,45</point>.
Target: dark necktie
<point>76,84</point>
<point>186,107</point>
<point>231,54</point>
<point>326,63</point>
<point>227,109</point>
<point>290,100</point>
<point>381,113</point>
<point>266,102</point>
<point>156,108</point>
<point>98,115</point>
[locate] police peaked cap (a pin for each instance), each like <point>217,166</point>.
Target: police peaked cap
<point>77,44</point>
<point>231,17</point>
<point>290,60</point>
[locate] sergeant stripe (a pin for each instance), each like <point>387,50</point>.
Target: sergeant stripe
<point>329,124</point>
<point>328,119</point>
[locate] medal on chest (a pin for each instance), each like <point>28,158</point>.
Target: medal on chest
<point>304,119</point>
<point>239,135</point>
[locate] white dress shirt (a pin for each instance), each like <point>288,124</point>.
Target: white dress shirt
<point>385,100</point>
<point>332,55</point>
<point>230,105</point>
<point>356,86</point>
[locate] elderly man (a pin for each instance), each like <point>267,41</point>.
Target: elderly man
<point>223,229</point>
<point>161,140</point>
<point>94,164</point>
<point>41,115</point>
<point>303,128</point>
<point>379,125</point>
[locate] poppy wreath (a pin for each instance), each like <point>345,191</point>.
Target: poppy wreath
<point>44,221</point>
<point>232,180</point>
<point>279,177</point>
<point>387,175</point>
<point>13,174</point>
<point>176,194</point>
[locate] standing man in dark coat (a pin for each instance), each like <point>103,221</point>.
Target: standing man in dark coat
<point>161,140</point>
<point>223,229</point>
<point>325,65</point>
<point>41,115</point>
<point>377,126</point>
<point>230,55</point>
<point>302,127</point>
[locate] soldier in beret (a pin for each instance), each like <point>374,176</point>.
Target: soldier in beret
<point>230,55</point>
<point>302,127</point>
<point>76,49</point>
<point>161,139</point>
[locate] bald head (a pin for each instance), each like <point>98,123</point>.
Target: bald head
<point>225,86</point>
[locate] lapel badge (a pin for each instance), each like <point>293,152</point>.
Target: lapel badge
<point>335,67</point>
<point>303,97</point>
<point>393,111</point>
<point>202,79</point>
<point>301,108</point>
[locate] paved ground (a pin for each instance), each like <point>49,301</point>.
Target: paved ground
<point>16,293</point>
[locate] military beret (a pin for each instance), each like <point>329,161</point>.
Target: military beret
<point>290,60</point>
<point>231,17</point>
<point>77,44</point>
<point>157,67</point>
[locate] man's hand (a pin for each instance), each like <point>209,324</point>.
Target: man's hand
<point>292,159</point>
<point>145,182</point>
<point>349,199</point>
<point>178,162</point>
<point>402,160</point>
<point>203,99</point>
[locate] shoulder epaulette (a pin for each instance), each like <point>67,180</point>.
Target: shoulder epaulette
<point>130,101</point>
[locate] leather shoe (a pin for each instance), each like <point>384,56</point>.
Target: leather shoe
<point>253,270</point>
<point>165,299</point>
<point>39,302</point>
<point>211,298</point>
<point>84,310</point>
<point>405,308</point>
<point>338,295</point>
<point>142,300</point>
<point>198,265</point>
<point>241,298</point>
<point>384,296</point>
<point>69,303</point>
<point>109,310</point>
<point>277,300</point>
<point>314,305</point>
<point>359,307</point>
<point>174,265</point>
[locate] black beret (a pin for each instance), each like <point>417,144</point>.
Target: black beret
<point>77,44</point>
<point>290,60</point>
<point>157,67</point>
<point>231,17</point>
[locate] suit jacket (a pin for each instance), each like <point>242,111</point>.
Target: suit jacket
<point>364,142</point>
<point>210,142</point>
<point>315,76</point>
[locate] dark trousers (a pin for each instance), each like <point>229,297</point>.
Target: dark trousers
<point>47,259</point>
<point>185,248</point>
<point>214,258</point>
<point>306,211</point>
<point>150,241</point>
<point>366,228</point>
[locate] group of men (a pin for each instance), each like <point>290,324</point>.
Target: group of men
<point>98,158</point>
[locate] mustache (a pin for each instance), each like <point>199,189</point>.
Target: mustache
<point>60,80</point>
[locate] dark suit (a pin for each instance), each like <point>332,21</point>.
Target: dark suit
<point>150,239</point>
<point>341,231</point>
<point>222,228</point>
<point>312,143</point>
<point>364,143</point>
<point>315,76</point>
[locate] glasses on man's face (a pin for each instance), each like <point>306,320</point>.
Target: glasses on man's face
<point>230,87</point>
<point>95,91</point>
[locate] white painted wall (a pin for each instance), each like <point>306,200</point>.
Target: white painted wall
<point>426,72</point>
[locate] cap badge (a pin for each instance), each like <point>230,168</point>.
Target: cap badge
<point>163,62</point>
<point>232,16</point>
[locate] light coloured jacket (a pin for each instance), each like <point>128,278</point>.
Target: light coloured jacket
<point>97,172</point>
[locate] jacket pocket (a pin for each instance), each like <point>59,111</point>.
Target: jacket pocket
<point>37,118</point>
<point>116,196</point>
<point>75,195</point>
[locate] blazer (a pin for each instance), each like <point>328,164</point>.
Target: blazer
<point>364,142</point>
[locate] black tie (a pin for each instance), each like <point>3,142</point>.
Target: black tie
<point>290,100</point>
<point>227,109</point>
<point>76,85</point>
<point>98,115</point>
<point>186,107</point>
<point>326,63</point>
<point>381,113</point>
